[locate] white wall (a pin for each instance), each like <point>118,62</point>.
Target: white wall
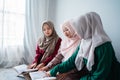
<point>60,10</point>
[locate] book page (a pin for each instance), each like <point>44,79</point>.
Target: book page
<point>20,68</point>
<point>23,68</point>
<point>47,78</point>
<point>37,75</point>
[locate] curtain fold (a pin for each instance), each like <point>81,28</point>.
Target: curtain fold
<point>30,35</point>
<point>36,12</point>
<point>11,44</point>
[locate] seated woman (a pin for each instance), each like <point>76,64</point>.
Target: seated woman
<point>68,46</point>
<point>47,46</point>
<point>95,53</point>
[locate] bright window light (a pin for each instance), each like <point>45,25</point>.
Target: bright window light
<point>12,22</point>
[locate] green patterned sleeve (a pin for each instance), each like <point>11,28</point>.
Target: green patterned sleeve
<point>65,66</point>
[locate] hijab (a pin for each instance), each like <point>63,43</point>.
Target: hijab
<point>69,45</point>
<point>48,43</point>
<point>90,29</point>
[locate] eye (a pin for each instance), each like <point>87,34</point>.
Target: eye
<point>65,29</point>
<point>44,29</point>
<point>48,28</point>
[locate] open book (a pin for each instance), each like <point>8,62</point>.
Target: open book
<point>31,74</point>
<point>40,75</point>
<point>23,69</point>
<point>47,78</point>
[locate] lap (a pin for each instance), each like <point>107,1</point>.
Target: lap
<point>72,75</point>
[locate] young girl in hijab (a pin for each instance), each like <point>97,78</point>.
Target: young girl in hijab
<point>95,52</point>
<point>68,46</point>
<point>47,46</point>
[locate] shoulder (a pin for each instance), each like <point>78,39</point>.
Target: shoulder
<point>106,49</point>
<point>105,45</point>
<point>59,39</point>
<point>40,39</point>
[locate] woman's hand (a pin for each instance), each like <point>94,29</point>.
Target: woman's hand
<point>41,65</point>
<point>44,69</point>
<point>48,74</point>
<point>31,66</point>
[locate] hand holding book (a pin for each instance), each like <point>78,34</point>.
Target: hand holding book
<point>32,66</point>
<point>32,74</point>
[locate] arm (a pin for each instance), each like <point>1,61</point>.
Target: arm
<point>54,53</point>
<point>65,66</point>
<point>39,54</point>
<point>103,61</point>
<point>56,60</point>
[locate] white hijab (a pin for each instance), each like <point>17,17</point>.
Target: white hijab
<point>69,45</point>
<point>90,29</point>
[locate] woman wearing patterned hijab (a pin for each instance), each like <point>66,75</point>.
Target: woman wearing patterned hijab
<point>68,45</point>
<point>95,53</point>
<point>47,46</point>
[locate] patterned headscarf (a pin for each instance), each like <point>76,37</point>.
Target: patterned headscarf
<point>48,43</point>
<point>90,29</point>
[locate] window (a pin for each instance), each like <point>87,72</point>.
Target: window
<point>12,22</point>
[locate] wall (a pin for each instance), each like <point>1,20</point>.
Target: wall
<point>60,10</point>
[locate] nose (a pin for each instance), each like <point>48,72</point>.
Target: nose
<point>46,31</point>
<point>66,34</point>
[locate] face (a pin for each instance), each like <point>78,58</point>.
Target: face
<point>67,32</point>
<point>47,30</point>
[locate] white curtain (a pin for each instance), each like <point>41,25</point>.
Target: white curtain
<point>36,12</point>
<point>12,20</point>
<point>32,25</point>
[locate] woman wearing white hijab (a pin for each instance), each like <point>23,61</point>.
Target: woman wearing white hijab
<point>95,52</point>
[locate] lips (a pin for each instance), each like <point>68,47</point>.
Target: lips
<point>67,35</point>
<point>47,33</point>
